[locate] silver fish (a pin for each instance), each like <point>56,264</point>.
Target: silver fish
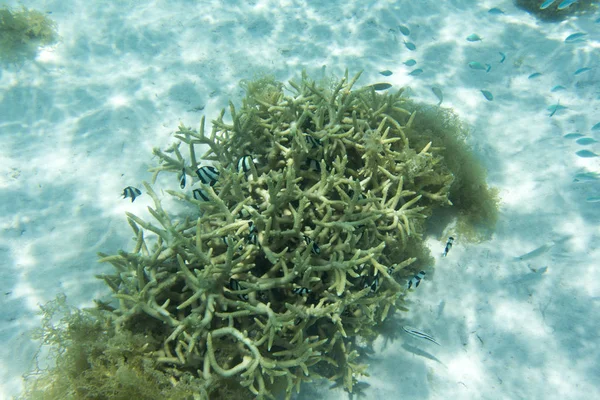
<point>418,334</point>
<point>473,37</point>
<point>410,45</point>
<point>535,253</point>
<point>566,3</point>
<point>131,192</point>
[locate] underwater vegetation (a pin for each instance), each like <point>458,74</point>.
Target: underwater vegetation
<point>22,32</point>
<point>557,10</point>
<point>304,224</point>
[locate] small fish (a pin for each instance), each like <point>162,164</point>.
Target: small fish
<point>566,3</point>
<point>370,281</point>
<point>182,178</point>
<point>381,86</point>
<point>575,37</point>
<point>555,107</point>
<point>593,199</point>
<point>245,163</point>
<point>581,70</point>
<point>227,240</point>
<point>387,72</point>
<point>200,194</point>
<point>438,93</point>
<point>584,177</point>
<point>314,246</point>
<point>448,246</point>
<point>586,154</point>
<point>534,75</point>
<point>416,72</point>
<point>596,127</point>
<point>132,192</point>
<point>557,88</point>
<point>535,253</point>
<point>573,135</point>
<point>416,280</point>
<point>473,37</point>
<point>314,142</point>
<point>252,237</point>
<point>404,30</point>
<point>418,334</point>
<point>409,63</point>
<point>495,11</point>
<point>477,65</point>
<point>301,291</point>
<point>502,57</point>
<point>234,285</point>
<point>410,45</point>
<point>546,4</point>
<point>584,141</point>
<point>488,95</point>
<point>230,241</point>
<point>208,175</point>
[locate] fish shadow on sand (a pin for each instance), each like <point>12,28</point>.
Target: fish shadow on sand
<point>422,353</point>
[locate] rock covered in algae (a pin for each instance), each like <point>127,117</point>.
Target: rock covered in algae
<point>305,218</point>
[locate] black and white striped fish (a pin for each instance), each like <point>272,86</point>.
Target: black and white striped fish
<point>448,246</point>
<point>370,281</point>
<point>200,194</point>
<point>312,141</point>
<point>418,334</point>
<point>253,235</point>
<point>235,286</point>
<point>245,163</point>
<point>132,192</point>
<point>182,179</point>
<point>301,291</point>
<point>314,247</point>
<point>416,280</point>
<point>208,175</point>
<point>231,241</point>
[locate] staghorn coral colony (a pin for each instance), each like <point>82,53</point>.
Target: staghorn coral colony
<point>304,224</point>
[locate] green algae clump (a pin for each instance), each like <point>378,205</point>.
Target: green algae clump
<point>304,221</point>
<point>22,32</point>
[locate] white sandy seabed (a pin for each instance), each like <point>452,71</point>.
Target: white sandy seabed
<point>78,124</point>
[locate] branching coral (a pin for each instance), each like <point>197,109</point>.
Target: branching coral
<point>298,242</point>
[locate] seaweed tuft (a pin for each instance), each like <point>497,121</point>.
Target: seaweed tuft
<point>22,32</point>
